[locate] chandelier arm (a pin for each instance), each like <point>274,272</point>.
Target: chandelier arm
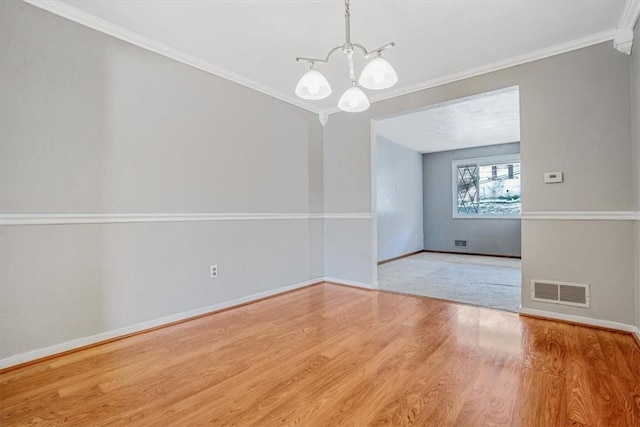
<point>359,46</point>
<point>331,52</point>
<point>312,60</point>
<point>367,55</point>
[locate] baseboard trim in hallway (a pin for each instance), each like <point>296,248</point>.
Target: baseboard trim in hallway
<point>395,258</point>
<point>445,252</point>
<point>470,253</point>
<point>350,283</point>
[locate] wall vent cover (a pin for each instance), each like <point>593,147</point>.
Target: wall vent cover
<point>575,294</point>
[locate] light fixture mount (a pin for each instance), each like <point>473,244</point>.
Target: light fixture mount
<point>377,74</point>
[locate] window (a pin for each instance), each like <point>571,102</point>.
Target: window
<point>487,187</point>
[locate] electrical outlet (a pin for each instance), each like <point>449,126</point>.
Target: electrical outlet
<point>213,271</point>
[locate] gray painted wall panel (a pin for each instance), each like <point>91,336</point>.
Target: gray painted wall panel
<point>347,164</point>
<point>91,124</point>
<point>599,253</point>
<point>576,120</point>
<point>105,126</point>
<point>348,247</point>
<point>485,236</point>
<point>399,199</point>
<point>64,282</point>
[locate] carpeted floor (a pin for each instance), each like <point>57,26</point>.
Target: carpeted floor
<point>476,280</point>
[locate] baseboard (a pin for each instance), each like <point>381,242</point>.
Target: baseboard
<point>602,324</point>
<point>351,283</point>
<point>636,336</point>
<point>395,258</point>
<point>472,253</point>
<point>103,337</point>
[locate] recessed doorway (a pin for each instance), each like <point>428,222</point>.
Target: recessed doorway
<point>446,180</point>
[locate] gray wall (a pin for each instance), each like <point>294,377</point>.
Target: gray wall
<point>486,236</point>
<point>91,124</point>
<point>635,127</point>
<point>575,117</point>
<point>349,253</point>
<point>399,199</point>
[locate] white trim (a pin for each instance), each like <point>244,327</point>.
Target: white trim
<point>579,319</point>
<point>629,15</point>
<point>355,215</point>
<point>56,219</point>
<point>351,283</point>
<point>535,55</point>
<point>104,336</point>
<point>373,134</point>
<point>623,41</point>
<point>88,20</point>
<point>583,216</point>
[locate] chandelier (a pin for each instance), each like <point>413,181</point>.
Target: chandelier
<point>377,74</point>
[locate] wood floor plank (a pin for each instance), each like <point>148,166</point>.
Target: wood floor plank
<point>334,355</point>
<point>542,400</point>
<point>594,398</point>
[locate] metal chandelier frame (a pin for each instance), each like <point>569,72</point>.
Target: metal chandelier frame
<point>348,49</point>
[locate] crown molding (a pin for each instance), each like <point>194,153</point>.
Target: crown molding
<point>623,40</point>
<point>535,55</point>
<point>81,17</point>
<point>630,15</point>
<point>57,7</point>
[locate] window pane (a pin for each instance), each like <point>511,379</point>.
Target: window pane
<point>468,189</point>
<point>499,189</point>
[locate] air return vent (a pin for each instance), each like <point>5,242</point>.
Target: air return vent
<point>576,294</point>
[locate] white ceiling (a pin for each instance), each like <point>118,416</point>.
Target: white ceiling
<point>486,119</point>
<point>256,42</point>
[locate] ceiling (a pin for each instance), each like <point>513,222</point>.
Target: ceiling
<point>255,43</point>
<point>487,119</point>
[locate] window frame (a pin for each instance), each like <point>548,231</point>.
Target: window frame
<point>481,161</point>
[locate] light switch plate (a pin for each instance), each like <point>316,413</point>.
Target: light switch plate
<point>552,177</point>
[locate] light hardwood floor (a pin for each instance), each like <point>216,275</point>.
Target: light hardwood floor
<point>330,355</point>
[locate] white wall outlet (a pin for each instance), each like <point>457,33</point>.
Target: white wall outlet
<point>552,177</point>
<point>213,270</point>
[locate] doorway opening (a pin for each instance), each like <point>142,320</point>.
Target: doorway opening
<point>447,200</point>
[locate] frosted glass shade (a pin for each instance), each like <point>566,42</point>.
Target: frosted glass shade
<point>353,100</point>
<point>313,85</point>
<point>378,74</point>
